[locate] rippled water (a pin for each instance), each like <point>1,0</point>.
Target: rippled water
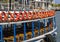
<point>58,25</point>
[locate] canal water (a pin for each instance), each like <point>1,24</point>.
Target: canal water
<point>58,25</point>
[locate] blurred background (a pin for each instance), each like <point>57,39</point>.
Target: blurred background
<point>58,25</point>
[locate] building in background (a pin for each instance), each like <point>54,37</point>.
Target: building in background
<point>21,4</point>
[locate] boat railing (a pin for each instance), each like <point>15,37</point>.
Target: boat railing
<point>24,35</point>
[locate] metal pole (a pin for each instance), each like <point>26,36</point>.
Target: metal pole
<point>39,27</point>
<point>1,33</point>
<point>54,22</point>
<point>9,4</point>
<point>32,29</point>
<point>46,4</point>
<point>24,31</point>
<point>44,26</point>
<point>48,25</point>
<point>24,4</point>
<point>14,5</point>
<point>14,32</point>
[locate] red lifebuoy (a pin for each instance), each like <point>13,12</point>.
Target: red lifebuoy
<point>47,13</point>
<point>53,12</point>
<point>10,16</point>
<point>21,16</point>
<point>25,15</point>
<point>34,15</point>
<point>4,16</point>
<point>0,17</point>
<point>30,15</point>
<point>16,16</point>
<point>41,15</point>
<point>38,14</point>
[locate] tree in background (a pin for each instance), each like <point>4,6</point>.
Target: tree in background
<point>55,5</point>
<point>6,1</point>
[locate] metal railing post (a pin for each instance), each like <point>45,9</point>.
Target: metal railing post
<point>54,22</point>
<point>32,29</point>
<point>1,31</point>
<point>48,25</point>
<point>24,31</point>
<point>44,26</point>
<point>14,32</point>
<point>39,27</point>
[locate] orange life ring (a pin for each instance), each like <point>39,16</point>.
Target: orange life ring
<point>38,14</point>
<point>4,16</point>
<point>53,12</point>
<point>16,16</point>
<point>34,15</point>
<point>46,14</point>
<point>0,17</point>
<point>21,16</point>
<point>10,16</point>
<point>25,15</point>
<point>49,13</point>
<point>30,15</point>
<point>41,15</point>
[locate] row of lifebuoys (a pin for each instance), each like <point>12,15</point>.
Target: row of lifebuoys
<point>19,16</point>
